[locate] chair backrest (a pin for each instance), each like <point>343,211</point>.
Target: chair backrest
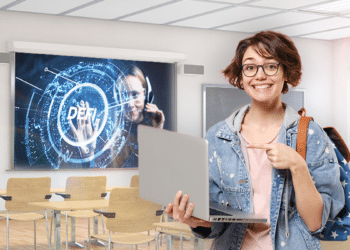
<point>86,187</point>
<point>25,190</point>
<point>133,214</point>
<point>135,181</point>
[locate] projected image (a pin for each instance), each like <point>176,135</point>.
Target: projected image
<point>75,112</point>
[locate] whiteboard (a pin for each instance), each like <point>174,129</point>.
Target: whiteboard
<point>221,100</point>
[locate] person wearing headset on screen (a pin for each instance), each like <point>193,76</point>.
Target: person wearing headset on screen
<point>140,110</point>
<point>253,163</point>
<point>141,107</point>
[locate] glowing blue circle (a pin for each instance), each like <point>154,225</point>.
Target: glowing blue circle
<point>105,109</point>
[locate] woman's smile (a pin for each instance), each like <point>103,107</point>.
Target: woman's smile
<point>262,86</point>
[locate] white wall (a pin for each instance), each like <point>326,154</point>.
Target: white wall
<point>213,49</point>
<point>317,78</point>
<point>341,86</point>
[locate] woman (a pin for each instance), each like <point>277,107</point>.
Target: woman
<point>254,165</point>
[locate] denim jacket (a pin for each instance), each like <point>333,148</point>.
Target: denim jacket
<point>230,183</point>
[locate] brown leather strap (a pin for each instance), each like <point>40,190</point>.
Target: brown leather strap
<point>302,135</point>
<point>331,132</point>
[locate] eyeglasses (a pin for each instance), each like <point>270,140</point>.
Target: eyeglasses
<point>269,69</point>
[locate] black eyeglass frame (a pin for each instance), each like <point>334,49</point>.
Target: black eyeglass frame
<point>262,66</point>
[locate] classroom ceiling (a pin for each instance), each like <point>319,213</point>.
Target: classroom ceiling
<point>317,19</point>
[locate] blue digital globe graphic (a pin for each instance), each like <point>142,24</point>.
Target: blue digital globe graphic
<point>78,119</point>
<point>69,110</point>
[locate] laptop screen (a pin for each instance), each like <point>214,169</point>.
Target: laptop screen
<point>170,162</point>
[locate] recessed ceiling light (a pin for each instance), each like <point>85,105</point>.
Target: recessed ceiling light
<point>341,7</point>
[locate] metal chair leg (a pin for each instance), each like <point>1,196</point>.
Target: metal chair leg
<point>103,226</point>
<point>34,235</point>
<point>88,227</point>
<point>88,243</point>
<point>7,231</point>
<point>51,223</point>
<point>109,241</point>
<point>47,231</point>
<point>66,230</point>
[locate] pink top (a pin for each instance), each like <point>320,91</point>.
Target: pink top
<point>258,234</point>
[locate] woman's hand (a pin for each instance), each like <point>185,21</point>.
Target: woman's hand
<point>308,199</point>
<point>281,156</point>
<point>179,212</point>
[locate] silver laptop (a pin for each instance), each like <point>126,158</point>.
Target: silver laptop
<point>169,162</point>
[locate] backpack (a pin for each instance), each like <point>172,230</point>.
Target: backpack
<point>337,229</point>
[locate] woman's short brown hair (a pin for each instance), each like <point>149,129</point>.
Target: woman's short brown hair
<point>267,44</point>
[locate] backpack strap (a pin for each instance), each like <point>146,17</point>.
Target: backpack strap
<point>302,135</point>
<point>330,131</point>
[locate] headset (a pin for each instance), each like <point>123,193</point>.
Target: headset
<point>149,93</point>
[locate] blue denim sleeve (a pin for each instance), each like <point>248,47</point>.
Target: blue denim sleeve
<point>215,190</point>
<point>324,169</point>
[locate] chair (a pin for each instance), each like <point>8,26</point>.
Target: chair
<point>128,216</point>
<point>174,229</point>
<point>21,191</point>
<point>135,181</point>
<point>83,188</point>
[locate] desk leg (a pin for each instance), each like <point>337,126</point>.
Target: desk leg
<point>198,244</point>
<point>57,229</point>
<point>181,241</point>
<point>169,239</point>
<point>169,242</point>
<point>96,225</point>
<point>72,242</point>
<point>95,241</point>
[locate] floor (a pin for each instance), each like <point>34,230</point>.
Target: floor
<point>22,236</point>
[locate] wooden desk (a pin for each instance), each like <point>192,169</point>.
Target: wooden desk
<point>62,190</point>
<point>58,206</point>
<point>71,205</point>
<point>180,227</point>
<point>174,225</point>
